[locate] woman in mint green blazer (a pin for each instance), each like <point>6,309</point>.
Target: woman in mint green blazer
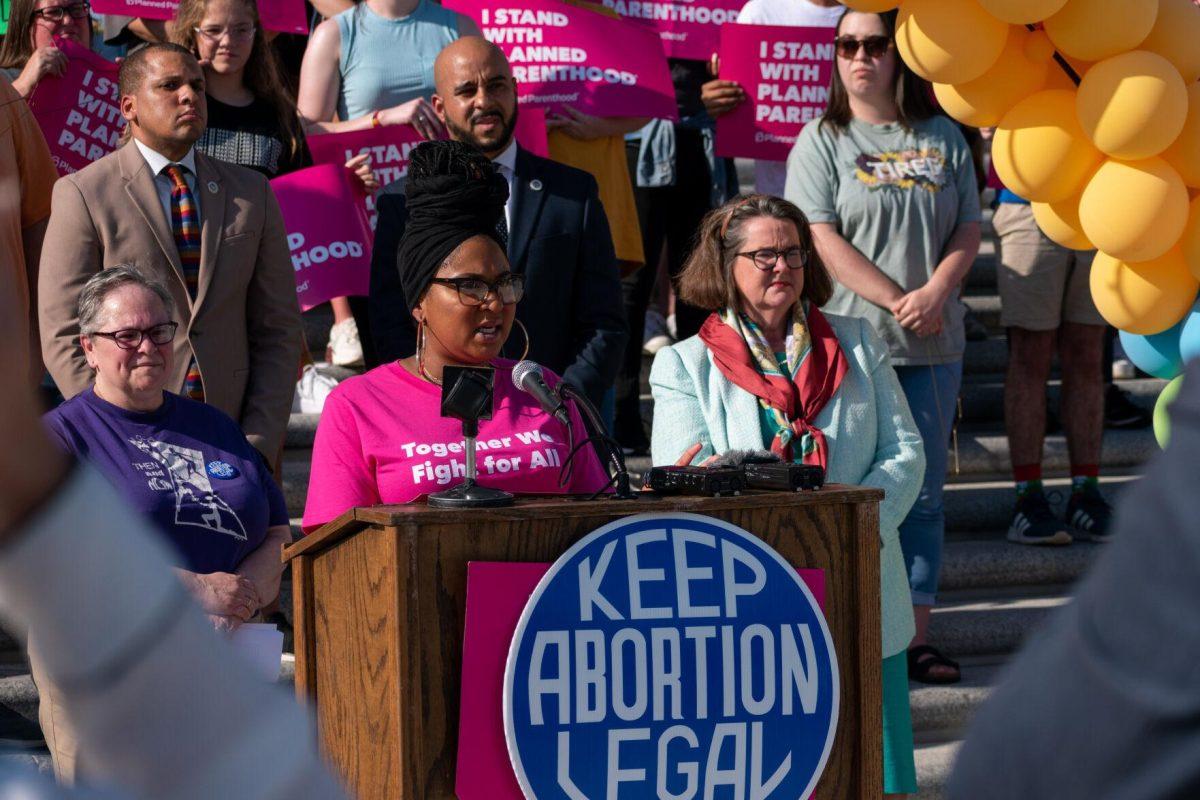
<point>769,370</point>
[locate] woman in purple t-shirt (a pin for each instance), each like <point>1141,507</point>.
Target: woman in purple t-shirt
<point>382,438</point>
<point>186,465</point>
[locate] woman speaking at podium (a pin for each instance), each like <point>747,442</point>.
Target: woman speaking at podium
<point>768,369</point>
<point>382,438</point>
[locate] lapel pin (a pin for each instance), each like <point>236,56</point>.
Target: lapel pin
<point>212,186</point>
<point>536,185</point>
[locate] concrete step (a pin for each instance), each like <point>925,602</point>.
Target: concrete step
<point>995,563</point>
<point>983,395</point>
<point>990,622</point>
<point>985,307</point>
<point>934,763</point>
<point>942,713</point>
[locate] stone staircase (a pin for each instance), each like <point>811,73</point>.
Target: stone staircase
<point>993,593</point>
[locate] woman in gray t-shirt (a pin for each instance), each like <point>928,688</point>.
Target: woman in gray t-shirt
<point>890,190</point>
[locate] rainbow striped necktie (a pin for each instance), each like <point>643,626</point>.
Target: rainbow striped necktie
<point>185,225</point>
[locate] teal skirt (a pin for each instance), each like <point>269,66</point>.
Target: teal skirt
<point>899,768</point>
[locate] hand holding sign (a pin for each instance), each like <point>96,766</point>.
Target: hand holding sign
<point>78,112</point>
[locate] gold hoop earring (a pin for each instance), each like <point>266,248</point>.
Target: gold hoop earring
<point>421,354</point>
<point>525,333</point>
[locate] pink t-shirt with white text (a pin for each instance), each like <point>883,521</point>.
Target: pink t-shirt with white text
<point>382,439</point>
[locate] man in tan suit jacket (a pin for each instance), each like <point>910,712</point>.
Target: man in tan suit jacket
<point>243,325</point>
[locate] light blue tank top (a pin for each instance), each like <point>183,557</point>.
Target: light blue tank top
<point>386,62</point>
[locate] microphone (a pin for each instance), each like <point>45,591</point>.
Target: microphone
<point>527,376</point>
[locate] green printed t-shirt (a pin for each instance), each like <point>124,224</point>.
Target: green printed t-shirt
<point>897,196</point>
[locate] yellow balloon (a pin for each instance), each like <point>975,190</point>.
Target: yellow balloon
<point>1022,12</point>
<point>1143,298</point>
<point>948,41</point>
<point>1060,222</point>
<point>1175,35</point>
<point>1184,152</point>
<point>1190,243</point>
<point>871,6</point>
<point>1134,210</point>
<point>1090,30</point>
<point>1040,151</point>
<point>1132,106</point>
<point>1021,70</point>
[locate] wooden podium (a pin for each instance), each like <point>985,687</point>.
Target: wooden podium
<point>380,603</point>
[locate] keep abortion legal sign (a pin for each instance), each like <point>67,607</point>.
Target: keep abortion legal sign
<point>672,656</point>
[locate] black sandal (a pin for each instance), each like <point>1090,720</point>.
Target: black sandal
<point>922,657</point>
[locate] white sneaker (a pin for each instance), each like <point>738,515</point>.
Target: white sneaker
<point>655,336</point>
<point>311,391</point>
<point>344,344</point>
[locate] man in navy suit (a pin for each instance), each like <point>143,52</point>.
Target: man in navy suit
<point>558,234</point>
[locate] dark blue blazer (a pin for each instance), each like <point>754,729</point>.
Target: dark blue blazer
<point>560,241</point>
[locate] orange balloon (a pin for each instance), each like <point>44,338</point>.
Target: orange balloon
<point>1132,105</point>
<point>948,41</point>
<point>1134,210</point>
<point>1040,150</point>
<point>1143,298</point>
<point>1022,12</point>
<point>1184,152</point>
<point>1094,29</point>
<point>1190,243</point>
<point>1021,70</point>
<point>1060,223</point>
<point>1176,37</point>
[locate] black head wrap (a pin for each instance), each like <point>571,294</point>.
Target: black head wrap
<point>453,193</point>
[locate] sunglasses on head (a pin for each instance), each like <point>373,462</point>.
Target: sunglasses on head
<point>876,46</point>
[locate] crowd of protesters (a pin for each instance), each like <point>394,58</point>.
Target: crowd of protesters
<point>159,293</point>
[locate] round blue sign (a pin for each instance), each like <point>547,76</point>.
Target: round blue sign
<point>670,656</point>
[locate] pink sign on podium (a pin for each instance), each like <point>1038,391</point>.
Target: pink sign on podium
<point>496,596</point>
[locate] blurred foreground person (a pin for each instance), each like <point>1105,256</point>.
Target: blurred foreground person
<point>1104,702</point>
<point>163,708</point>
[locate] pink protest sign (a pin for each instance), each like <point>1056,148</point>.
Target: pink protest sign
<point>785,73</point>
<point>286,16</point>
<point>496,596</point>
<point>389,147</point>
<point>328,234</point>
<point>148,9</point>
<point>78,113</point>
<point>563,55</point>
<point>689,28</point>
<point>531,131</point>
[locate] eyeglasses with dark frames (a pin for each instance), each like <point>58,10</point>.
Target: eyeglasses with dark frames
<point>132,338</point>
<point>876,46</point>
<point>57,14</point>
<point>766,258</point>
<point>509,288</point>
<point>237,33</point>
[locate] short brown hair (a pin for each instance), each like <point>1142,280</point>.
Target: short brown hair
<point>707,278</point>
<point>133,67</point>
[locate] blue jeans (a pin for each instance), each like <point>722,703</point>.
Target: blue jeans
<point>932,393</point>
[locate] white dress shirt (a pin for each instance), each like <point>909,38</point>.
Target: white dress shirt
<point>162,182</point>
<point>506,163</point>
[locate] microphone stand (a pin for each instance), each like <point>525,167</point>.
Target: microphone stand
<point>610,452</point>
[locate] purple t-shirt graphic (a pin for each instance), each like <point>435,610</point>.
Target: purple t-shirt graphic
<point>187,466</point>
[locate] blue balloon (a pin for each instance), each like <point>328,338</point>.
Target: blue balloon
<point>1189,337</point>
<point>1159,355</point>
